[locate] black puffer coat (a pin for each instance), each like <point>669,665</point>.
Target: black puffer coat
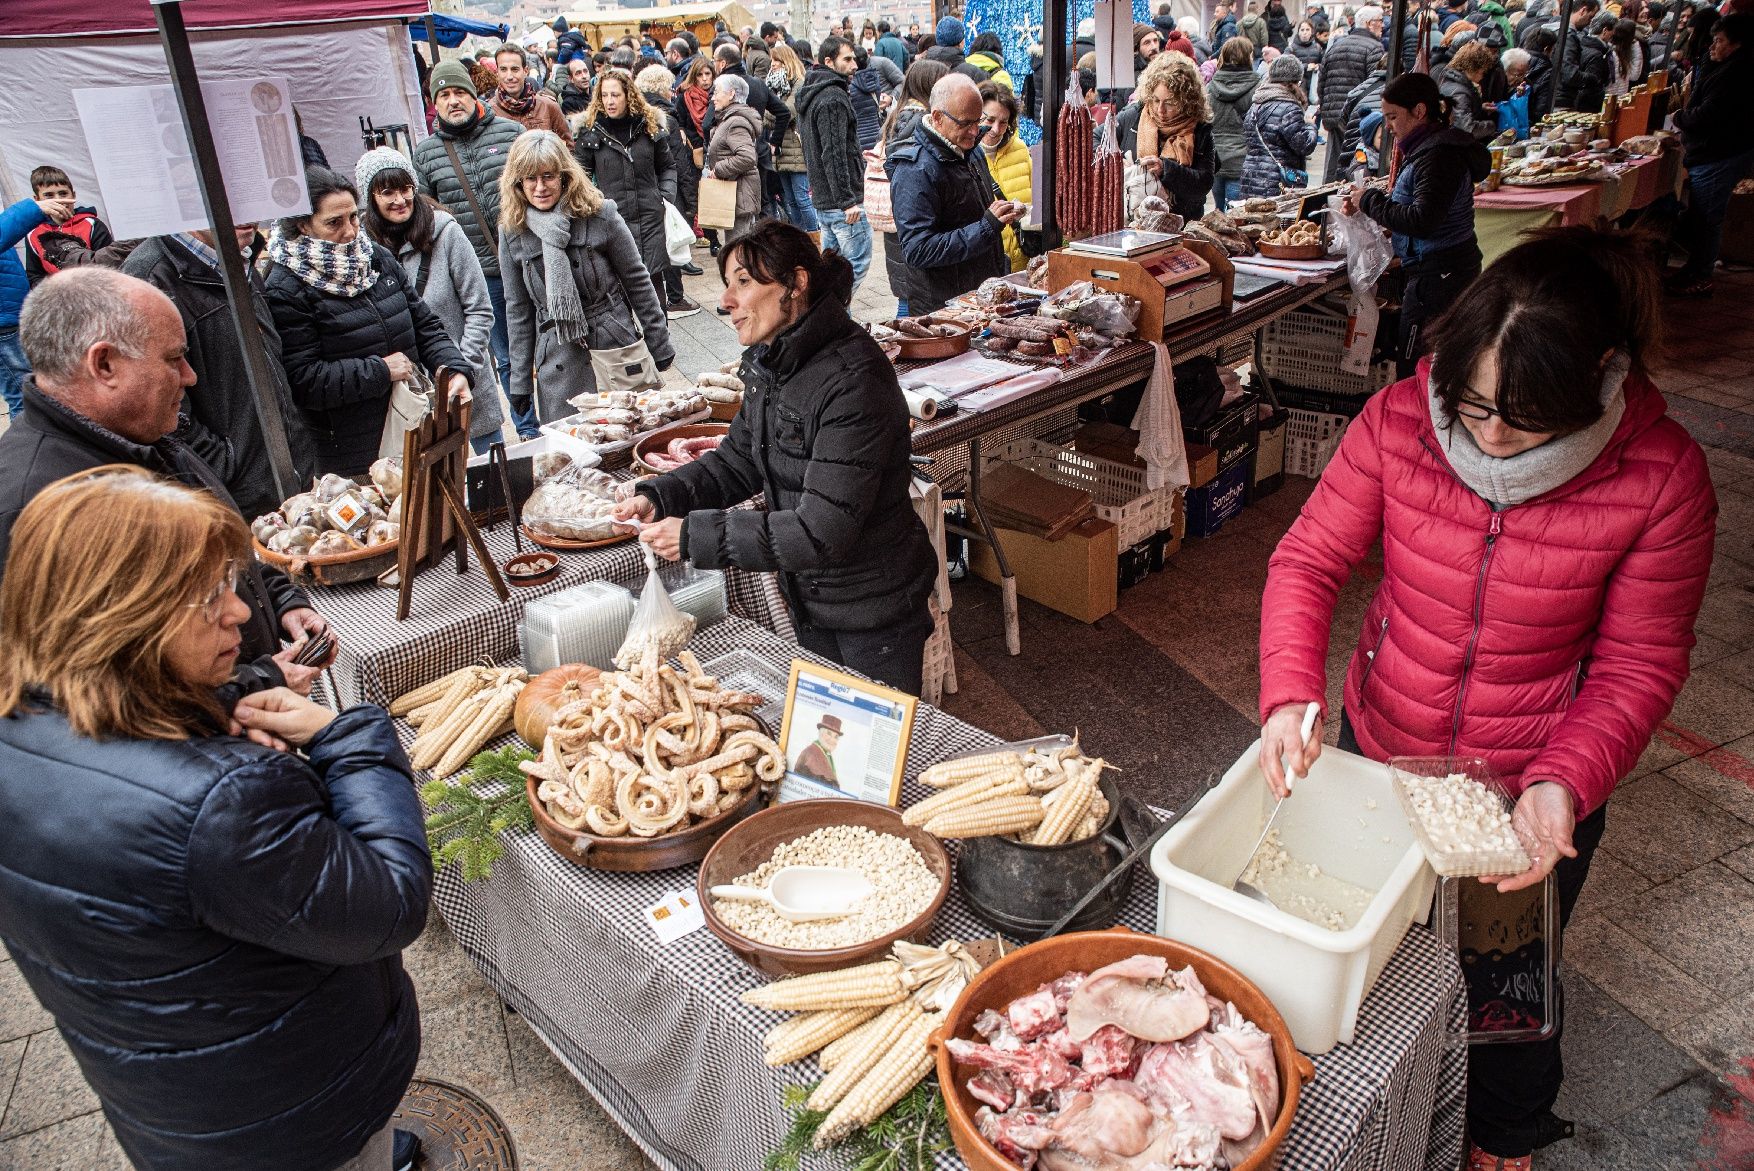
<point>1231,92</point>
<point>1466,111</point>
<point>216,928</point>
<point>222,413</point>
<point>1348,61</point>
<point>637,169</point>
<point>51,441</point>
<point>823,433</point>
<point>334,350</point>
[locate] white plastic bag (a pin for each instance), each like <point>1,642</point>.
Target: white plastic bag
<point>1366,245</point>
<point>658,627</point>
<point>1159,424</point>
<point>678,236</point>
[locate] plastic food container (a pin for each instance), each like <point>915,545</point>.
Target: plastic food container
<point>583,624</point>
<point>1344,818</point>
<point>1449,859</point>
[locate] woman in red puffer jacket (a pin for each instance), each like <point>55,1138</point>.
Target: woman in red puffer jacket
<point>1547,533</point>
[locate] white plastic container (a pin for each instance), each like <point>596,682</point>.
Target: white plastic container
<point>1337,818</point>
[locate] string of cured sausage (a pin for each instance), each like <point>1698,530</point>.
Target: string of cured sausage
<point>1075,196</point>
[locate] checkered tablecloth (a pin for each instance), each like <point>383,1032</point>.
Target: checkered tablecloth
<point>457,619</point>
<point>657,1035</point>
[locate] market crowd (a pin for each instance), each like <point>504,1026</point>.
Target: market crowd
<point>230,980</point>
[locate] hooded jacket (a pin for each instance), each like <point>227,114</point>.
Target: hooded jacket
<point>1253,26</point>
<point>949,238</point>
<point>1430,211</point>
<point>226,970</point>
<point>637,169</point>
<point>830,130</point>
<point>863,91</point>
<point>734,152</point>
<point>1275,136</point>
<point>823,434</point>
<point>1279,25</point>
<point>482,147</point>
<point>1550,638</point>
<point>1348,61</point>
<point>221,411</point>
<point>1231,92</point>
<point>993,67</point>
<point>891,46</point>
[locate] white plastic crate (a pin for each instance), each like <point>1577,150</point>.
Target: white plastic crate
<point>1303,348</point>
<point>1118,490</point>
<point>1343,818</point>
<point>1311,439</point>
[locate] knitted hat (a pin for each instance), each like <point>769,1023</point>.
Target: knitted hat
<point>950,32</point>
<point>375,161</point>
<point>1286,70</point>
<point>447,74</point>
<point>1141,31</point>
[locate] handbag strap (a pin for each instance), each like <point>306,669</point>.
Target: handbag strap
<point>420,278</point>
<point>487,236</point>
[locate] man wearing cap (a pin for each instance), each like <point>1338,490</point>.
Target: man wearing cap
<point>817,760</point>
<point>1349,60</point>
<point>481,141</point>
<point>950,34</point>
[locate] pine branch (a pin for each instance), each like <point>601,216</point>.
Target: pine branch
<point>469,814</point>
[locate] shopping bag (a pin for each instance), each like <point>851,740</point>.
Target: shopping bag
<point>718,202</point>
<point>410,401</point>
<point>878,206</point>
<point>630,367</point>
<point>1513,114</point>
<point>659,628</point>
<point>678,236</point>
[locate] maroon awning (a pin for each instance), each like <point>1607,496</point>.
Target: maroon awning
<point>70,18</point>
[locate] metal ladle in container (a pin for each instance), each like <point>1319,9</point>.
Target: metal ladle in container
<point>1249,889</point>
<point>803,894</point>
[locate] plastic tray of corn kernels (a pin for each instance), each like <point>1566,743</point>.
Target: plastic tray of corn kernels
<point>1463,821</point>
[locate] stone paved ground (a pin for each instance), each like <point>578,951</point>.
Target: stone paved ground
<point>1660,1039</point>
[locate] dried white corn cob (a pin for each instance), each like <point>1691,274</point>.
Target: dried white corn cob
<point>908,1060</point>
<point>1002,816</point>
<point>842,1045</point>
<point>495,710</point>
<point>997,784</point>
<point>429,747</point>
<point>946,773</point>
<point>890,1028</point>
<point>861,987</point>
<point>803,1035</point>
<point>430,693</point>
<point>1065,814</point>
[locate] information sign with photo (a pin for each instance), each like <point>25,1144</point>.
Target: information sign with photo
<point>844,736</point>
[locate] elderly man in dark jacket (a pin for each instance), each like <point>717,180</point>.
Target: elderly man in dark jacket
<point>948,213</point>
<point>481,141</point>
<point>830,132</point>
<point>83,409</point>
<point>222,424</point>
<point>1348,61</point>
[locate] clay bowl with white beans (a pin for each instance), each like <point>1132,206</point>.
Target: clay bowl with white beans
<point>843,832</point>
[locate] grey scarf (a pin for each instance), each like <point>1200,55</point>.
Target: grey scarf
<point>554,229</point>
<point>1504,483</point>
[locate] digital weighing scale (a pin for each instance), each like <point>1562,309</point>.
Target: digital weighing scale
<point>1173,278</point>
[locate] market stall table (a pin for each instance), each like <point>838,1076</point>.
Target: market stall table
<point>657,1035</point>
<point>1502,216</point>
<point>457,620</point>
<point>954,441</point>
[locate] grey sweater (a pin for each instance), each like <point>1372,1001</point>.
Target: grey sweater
<point>456,291</point>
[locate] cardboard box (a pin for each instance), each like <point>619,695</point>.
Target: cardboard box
<point>1209,507</point>
<point>1178,525</point>
<point>1269,470</point>
<point>1202,465</point>
<point>1075,575</point>
<point>1229,424</point>
<point>1109,441</point>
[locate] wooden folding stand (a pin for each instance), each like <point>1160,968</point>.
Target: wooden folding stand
<point>434,517</point>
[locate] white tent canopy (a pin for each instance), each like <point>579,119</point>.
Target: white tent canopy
<point>338,73</point>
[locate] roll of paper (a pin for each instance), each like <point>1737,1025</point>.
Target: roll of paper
<point>922,404</point>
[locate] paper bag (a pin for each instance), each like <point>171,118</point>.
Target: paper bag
<point>718,202</point>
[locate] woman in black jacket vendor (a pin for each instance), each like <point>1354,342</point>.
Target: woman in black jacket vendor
<point>1430,208</point>
<point>1168,129</point>
<point>823,434</point>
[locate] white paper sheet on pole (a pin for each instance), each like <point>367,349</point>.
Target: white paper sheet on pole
<point>1114,45</point>
<point>138,145</point>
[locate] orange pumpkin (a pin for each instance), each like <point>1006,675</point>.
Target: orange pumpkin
<point>546,694</point>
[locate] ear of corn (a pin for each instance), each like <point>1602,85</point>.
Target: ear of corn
<point>856,1063</point>
<point>430,693</point>
<point>841,1046</point>
<point>907,1061</point>
<point>495,710</point>
<point>803,1035</point>
<point>1066,812</point>
<point>430,745</point>
<point>869,985</point>
<point>1002,816</point>
<point>946,773</point>
<point>996,784</point>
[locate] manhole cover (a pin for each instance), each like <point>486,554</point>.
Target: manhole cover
<point>458,1131</point>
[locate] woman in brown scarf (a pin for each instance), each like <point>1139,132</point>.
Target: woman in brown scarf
<point>1167,128</point>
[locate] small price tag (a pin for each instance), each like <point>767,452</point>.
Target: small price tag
<point>1062,346</point>
<point>675,915</point>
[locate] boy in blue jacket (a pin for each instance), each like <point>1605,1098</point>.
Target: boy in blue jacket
<point>16,223</point>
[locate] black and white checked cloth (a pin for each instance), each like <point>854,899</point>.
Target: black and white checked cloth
<point>656,1034</point>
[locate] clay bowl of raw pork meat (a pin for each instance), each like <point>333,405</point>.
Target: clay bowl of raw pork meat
<point>668,448</point>
<point>1179,1060</point>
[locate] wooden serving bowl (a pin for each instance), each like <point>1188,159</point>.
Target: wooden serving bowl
<point>1028,968</point>
<point>629,854</point>
<point>753,842</point>
<point>335,569</point>
<point>1291,251</point>
<point>660,439</point>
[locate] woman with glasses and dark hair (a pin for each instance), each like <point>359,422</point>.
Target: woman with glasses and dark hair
<point>211,904</point>
<point>1547,534</point>
<point>823,436</point>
